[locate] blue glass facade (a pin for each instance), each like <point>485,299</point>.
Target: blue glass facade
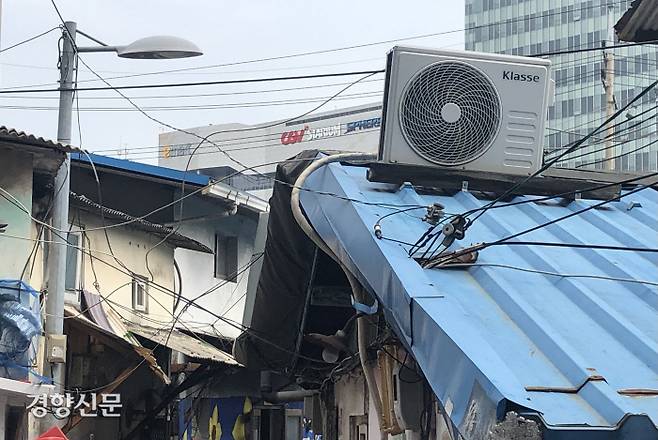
<point>528,27</point>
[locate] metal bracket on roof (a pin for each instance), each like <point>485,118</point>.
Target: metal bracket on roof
<point>638,392</point>
<point>566,390</point>
<point>464,185</point>
<point>633,204</point>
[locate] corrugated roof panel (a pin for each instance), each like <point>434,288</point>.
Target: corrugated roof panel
<point>640,22</point>
<point>168,174</point>
<point>11,134</point>
<point>188,345</point>
<point>569,339</point>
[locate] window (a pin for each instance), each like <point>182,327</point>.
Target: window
<point>226,257</point>
<point>73,261</point>
<point>140,293</point>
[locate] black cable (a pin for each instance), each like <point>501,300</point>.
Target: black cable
<point>567,151</point>
<point>251,104</point>
<point>485,245</point>
<point>590,49</point>
<point>427,235</point>
<point>199,83</point>
<point>28,40</point>
<point>403,365</point>
<point>180,285</point>
<point>197,95</point>
<point>633,151</point>
<point>579,246</point>
<point>616,134</point>
<point>357,46</point>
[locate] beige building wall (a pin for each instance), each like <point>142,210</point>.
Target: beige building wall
<point>102,273</point>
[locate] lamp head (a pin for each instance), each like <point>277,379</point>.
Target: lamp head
<point>159,47</point>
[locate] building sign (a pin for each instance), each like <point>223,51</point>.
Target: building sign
<point>176,150</point>
<point>363,124</point>
<point>293,137</point>
<point>312,134</point>
<point>324,132</point>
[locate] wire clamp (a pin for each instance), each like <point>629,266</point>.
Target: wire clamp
<point>365,309</point>
<point>434,214</point>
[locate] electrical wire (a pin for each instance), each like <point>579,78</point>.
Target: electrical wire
<point>485,245</point>
<point>20,43</point>
<point>556,274</point>
<point>200,95</point>
<point>357,46</point>
<point>427,236</point>
<point>574,147</point>
<point>317,52</point>
<point>198,107</point>
<point>608,159</point>
<point>198,83</point>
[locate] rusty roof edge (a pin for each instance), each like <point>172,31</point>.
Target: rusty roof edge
<point>173,237</point>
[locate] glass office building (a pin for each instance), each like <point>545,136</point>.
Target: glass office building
<point>529,27</point>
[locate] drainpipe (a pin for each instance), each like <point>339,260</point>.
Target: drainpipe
<point>357,290</point>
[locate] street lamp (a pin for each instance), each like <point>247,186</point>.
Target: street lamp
<point>161,47</point>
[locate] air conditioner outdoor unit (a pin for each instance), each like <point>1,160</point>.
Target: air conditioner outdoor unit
<point>466,110</point>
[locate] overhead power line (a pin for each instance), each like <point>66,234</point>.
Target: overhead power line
<point>228,105</point>
<point>355,46</point>
<point>591,49</point>
<point>20,43</point>
<point>199,95</point>
<point>200,83</point>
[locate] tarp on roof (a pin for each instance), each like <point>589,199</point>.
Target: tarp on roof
<point>188,345</point>
<point>568,335</point>
<point>279,300</point>
<point>126,340</point>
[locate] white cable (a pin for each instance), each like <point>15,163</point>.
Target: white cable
<point>354,283</point>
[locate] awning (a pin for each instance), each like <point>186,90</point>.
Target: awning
<point>125,341</point>
<point>18,393</point>
<point>186,344</point>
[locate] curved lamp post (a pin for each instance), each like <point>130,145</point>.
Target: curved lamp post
<point>160,47</point>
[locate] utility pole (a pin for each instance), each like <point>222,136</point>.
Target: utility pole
<point>60,210</point>
<point>609,82</point>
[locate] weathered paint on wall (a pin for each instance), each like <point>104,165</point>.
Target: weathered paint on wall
<point>130,246</point>
<point>16,179</point>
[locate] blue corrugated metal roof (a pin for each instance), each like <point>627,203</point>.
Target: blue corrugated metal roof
<point>143,169</point>
<point>482,335</point>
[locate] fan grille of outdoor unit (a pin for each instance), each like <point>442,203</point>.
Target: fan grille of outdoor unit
<point>450,113</point>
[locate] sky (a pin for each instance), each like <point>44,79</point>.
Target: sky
<point>227,32</point>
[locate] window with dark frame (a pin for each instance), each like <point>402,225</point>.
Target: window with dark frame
<point>226,257</point>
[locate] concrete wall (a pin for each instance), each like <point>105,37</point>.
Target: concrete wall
<point>197,270</point>
<point>130,246</point>
<point>16,179</point>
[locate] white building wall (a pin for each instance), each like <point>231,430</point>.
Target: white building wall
<point>227,298</point>
<point>130,247</point>
<point>16,179</point>
<point>349,129</point>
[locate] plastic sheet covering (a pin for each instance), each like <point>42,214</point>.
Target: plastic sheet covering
<point>19,324</point>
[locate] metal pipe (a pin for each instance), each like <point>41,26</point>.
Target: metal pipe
<point>356,287</point>
<point>289,396</point>
<point>92,49</point>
